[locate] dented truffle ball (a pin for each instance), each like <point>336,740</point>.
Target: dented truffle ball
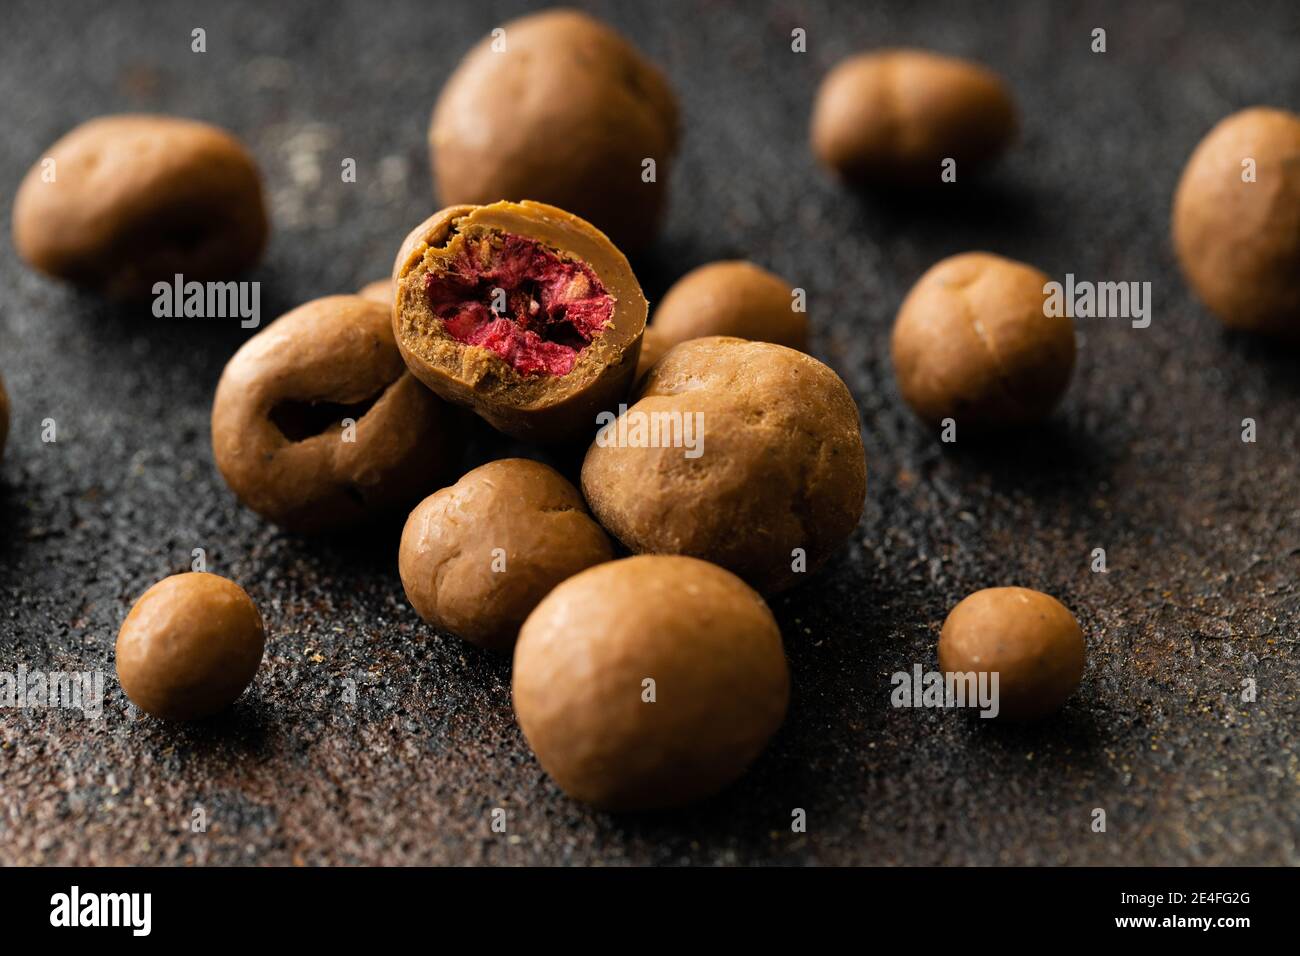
<point>477,557</point>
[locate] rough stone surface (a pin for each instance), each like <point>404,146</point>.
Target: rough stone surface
<point>1145,460</point>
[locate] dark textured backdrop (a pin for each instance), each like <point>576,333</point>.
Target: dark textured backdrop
<point>1145,460</point>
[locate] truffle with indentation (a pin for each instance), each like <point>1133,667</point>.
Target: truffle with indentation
<point>476,558</point>
<point>317,425</point>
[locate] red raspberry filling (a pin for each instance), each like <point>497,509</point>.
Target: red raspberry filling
<point>519,299</point>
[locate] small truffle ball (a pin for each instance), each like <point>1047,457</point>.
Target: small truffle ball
<point>381,291</point>
<point>4,418</point>
<point>560,109</point>
<point>973,342</point>
<point>137,199</point>
<point>733,298</point>
<point>477,557</point>
<point>894,116</point>
<point>649,682</point>
<point>189,647</point>
<point>746,454</point>
<point>1237,221</point>
<point>1027,638</point>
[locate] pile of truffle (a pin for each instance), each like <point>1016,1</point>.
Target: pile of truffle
<point>724,458</point>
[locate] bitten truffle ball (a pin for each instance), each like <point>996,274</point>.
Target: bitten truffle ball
<point>746,454</point>
<point>561,109</point>
<point>973,342</point>
<point>649,682</point>
<point>189,646</point>
<point>1237,221</point>
<point>521,312</point>
<point>733,298</point>
<point>1026,637</point>
<point>477,557</point>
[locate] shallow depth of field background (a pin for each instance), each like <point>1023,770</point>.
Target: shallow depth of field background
<point>1144,460</point>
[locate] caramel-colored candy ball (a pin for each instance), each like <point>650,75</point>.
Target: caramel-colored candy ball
<point>895,116</point>
<point>972,342</point>
<point>1026,637</point>
<point>1237,221</point>
<point>477,557</point>
<point>189,647</point>
<point>734,298</point>
<point>649,682</point>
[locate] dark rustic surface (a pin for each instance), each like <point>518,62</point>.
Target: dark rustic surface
<point>1145,460</point>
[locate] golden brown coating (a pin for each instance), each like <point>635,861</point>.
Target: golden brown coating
<point>189,646</point>
<point>972,343</point>
<point>735,298</point>
<point>1238,241</point>
<point>893,116</point>
<point>650,682</point>
<point>534,406</point>
<point>137,199</point>
<point>4,418</point>
<point>381,291</point>
<point>278,421</point>
<point>477,557</point>
<point>566,114</point>
<point>777,482</point>
<point>1026,637</point>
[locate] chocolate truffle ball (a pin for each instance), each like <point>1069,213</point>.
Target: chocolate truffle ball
<point>1237,221</point>
<point>381,291</point>
<point>189,647</point>
<point>733,298</point>
<point>1027,638</point>
<point>477,557</point>
<point>4,418</point>
<point>318,426</point>
<point>649,682</point>
<point>559,109</point>
<point>894,116</point>
<point>972,343</point>
<point>521,312</point>
<point>122,202</point>
<point>746,454</point>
